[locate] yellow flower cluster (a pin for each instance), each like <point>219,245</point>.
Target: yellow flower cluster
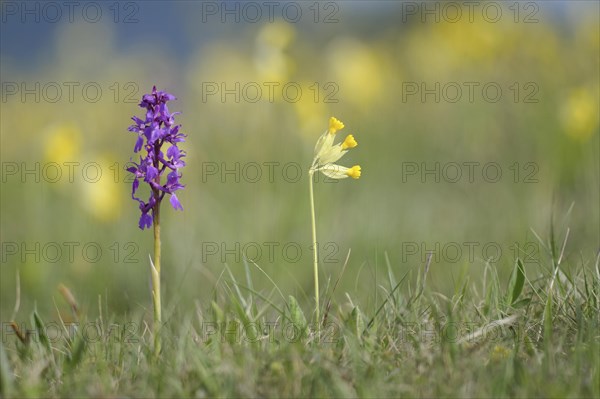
<point>326,153</point>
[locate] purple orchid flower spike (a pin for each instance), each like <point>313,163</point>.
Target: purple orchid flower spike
<point>157,129</point>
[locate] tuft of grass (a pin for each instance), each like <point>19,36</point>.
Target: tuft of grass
<point>535,335</point>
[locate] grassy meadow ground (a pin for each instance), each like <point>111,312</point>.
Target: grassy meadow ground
<point>527,337</point>
<point>463,263</point>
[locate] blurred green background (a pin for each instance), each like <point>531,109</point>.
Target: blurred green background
<point>358,61</point>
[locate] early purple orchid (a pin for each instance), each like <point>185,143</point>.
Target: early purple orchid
<point>157,129</point>
<point>153,132</point>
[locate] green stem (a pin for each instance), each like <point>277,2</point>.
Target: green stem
<point>156,280</point>
<point>315,253</point>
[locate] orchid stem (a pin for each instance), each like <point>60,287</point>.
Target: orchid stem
<point>156,281</point>
<point>315,253</point>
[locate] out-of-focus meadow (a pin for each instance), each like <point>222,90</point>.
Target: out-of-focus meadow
<point>376,66</point>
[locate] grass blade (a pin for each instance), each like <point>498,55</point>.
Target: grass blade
<point>519,281</point>
<point>384,302</point>
<point>41,330</point>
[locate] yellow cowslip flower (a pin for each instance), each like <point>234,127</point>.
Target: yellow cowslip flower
<point>335,125</point>
<point>349,142</point>
<point>326,153</point>
<point>340,172</point>
<point>325,142</point>
<point>354,172</point>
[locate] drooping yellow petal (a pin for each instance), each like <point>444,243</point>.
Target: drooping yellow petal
<point>335,125</point>
<point>349,142</point>
<point>354,172</point>
<point>334,171</point>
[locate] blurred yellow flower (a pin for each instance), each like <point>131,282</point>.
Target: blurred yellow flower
<point>103,191</point>
<point>579,114</point>
<point>63,144</point>
<point>357,71</point>
<point>467,42</point>
<point>220,64</point>
<point>278,35</point>
<point>310,114</point>
<point>270,59</point>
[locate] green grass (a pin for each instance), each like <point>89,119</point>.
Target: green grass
<point>536,335</point>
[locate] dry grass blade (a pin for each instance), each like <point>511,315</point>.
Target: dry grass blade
<point>70,298</point>
<point>487,328</point>
<point>22,337</point>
